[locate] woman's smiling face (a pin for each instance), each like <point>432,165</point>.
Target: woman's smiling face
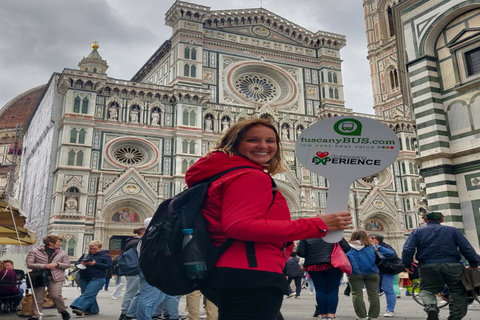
<point>258,144</point>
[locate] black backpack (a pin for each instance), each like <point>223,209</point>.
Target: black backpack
<point>161,253</point>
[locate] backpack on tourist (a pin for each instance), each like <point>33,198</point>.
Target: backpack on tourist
<point>177,233</point>
<point>127,263</point>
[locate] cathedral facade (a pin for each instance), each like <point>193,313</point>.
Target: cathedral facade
<point>101,153</point>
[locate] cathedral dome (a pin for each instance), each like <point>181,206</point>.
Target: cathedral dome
<point>18,109</point>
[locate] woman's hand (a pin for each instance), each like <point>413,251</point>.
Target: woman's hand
<point>91,263</point>
<point>336,221</point>
<point>51,266</point>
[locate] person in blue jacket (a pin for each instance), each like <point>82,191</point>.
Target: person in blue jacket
<point>438,250</point>
<point>364,273</point>
<point>92,278</point>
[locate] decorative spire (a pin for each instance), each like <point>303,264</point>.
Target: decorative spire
<point>93,62</point>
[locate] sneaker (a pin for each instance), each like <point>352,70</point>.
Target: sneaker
<point>332,318</point>
<point>65,315</point>
<point>122,316</point>
<point>297,296</point>
<point>113,297</point>
<point>399,296</point>
<point>291,295</point>
<point>78,312</point>
<point>432,312</point>
<point>389,314</point>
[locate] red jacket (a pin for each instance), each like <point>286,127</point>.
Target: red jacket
<point>238,206</point>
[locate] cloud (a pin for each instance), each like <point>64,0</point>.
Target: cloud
<point>42,37</point>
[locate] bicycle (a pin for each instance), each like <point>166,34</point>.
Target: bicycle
<point>443,297</point>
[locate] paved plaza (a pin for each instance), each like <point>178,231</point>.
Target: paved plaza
<point>293,309</point>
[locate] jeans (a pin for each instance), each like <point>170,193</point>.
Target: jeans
<point>433,278</point>
<point>87,302</point>
<point>146,300</point>
<point>169,306</point>
<point>130,291</point>
<point>387,283</point>
<point>311,286</point>
<point>371,284</point>
<point>326,284</point>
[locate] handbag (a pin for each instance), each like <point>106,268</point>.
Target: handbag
<point>37,279</point>
<point>387,266</point>
<point>75,274</point>
<point>339,260</point>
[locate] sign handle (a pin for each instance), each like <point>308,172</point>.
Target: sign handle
<point>338,192</point>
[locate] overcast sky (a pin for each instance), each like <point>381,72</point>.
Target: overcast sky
<point>39,37</point>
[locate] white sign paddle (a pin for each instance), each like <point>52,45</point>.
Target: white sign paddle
<point>344,149</point>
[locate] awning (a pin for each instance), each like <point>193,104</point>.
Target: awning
<point>8,235</point>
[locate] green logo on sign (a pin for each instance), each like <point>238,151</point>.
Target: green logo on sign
<point>348,127</point>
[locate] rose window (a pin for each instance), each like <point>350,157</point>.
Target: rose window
<point>260,83</point>
<point>129,155</point>
<point>256,88</point>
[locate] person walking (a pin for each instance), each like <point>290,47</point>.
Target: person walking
<point>247,281</point>
<point>364,273</point>
<point>438,249</point>
<point>194,300</point>
<point>54,260</point>
<point>325,277</point>
<point>387,279</point>
<point>294,273</point>
<point>92,278</point>
<point>133,284</point>
<point>147,298</point>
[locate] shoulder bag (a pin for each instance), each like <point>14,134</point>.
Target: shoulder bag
<point>387,266</point>
<point>339,260</point>
<point>37,278</point>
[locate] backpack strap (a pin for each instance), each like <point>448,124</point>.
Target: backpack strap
<point>250,245</point>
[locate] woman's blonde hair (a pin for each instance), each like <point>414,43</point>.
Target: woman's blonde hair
<point>360,235</point>
<point>228,143</point>
<point>95,243</point>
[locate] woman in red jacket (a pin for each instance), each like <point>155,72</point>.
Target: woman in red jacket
<point>247,282</point>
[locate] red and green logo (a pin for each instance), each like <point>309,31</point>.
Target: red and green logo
<point>321,157</point>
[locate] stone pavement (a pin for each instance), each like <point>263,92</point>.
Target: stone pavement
<point>293,309</point>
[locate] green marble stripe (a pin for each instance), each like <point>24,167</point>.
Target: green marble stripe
<point>437,170</point>
<point>451,218</point>
<point>431,123</point>
<point>426,91</point>
<point>421,70</point>
<point>432,134</point>
<point>441,194</point>
<point>436,144</point>
<point>441,183</point>
<point>424,80</point>
<point>428,101</point>
<point>429,111</point>
<point>444,206</point>
<point>467,167</point>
